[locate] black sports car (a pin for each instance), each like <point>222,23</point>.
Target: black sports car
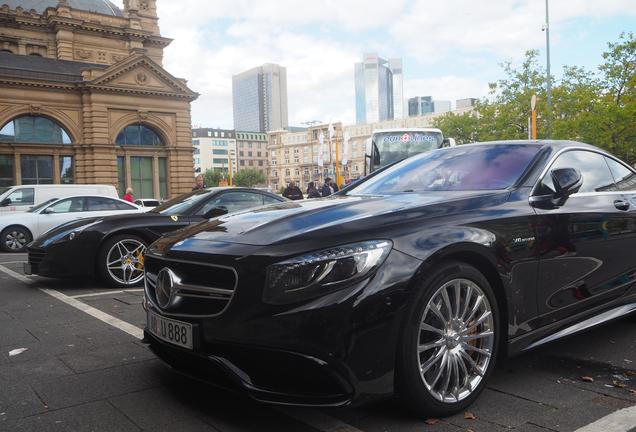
<point>413,281</point>
<point>113,246</point>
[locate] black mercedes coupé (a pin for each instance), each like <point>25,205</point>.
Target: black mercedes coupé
<point>414,281</point>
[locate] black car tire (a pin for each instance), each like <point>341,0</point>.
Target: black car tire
<point>17,232</point>
<point>101,264</point>
<point>409,381</point>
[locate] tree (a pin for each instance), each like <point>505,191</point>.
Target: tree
<point>249,177</point>
<point>464,128</point>
<point>212,176</point>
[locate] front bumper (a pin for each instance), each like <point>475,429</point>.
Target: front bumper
<point>64,260</point>
<point>331,351</point>
<point>297,379</point>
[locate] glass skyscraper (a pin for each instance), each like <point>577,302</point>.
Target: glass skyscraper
<point>420,105</point>
<point>378,86</point>
<point>259,98</point>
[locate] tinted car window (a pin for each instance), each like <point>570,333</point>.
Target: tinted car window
<point>182,204</point>
<point>594,171</point>
<point>269,200</point>
<point>70,205</point>
<point>101,204</point>
<point>233,201</point>
<point>479,167</point>
<point>124,206</point>
<point>22,196</point>
<point>624,178</point>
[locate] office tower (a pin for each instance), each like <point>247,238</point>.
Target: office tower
<point>378,87</point>
<point>259,98</point>
<point>420,105</point>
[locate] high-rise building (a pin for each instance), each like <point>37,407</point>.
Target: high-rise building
<point>260,99</point>
<point>378,87</point>
<point>420,105</point>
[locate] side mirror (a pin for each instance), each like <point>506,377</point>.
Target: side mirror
<point>215,211</point>
<point>48,210</point>
<point>5,202</point>
<point>567,181</point>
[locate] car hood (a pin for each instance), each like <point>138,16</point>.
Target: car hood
<point>334,216</point>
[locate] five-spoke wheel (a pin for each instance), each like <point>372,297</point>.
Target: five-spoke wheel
<point>122,260</point>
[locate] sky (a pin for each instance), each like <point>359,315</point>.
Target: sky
<point>451,49</point>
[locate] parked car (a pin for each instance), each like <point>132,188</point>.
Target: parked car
<point>113,247</point>
<point>17,199</point>
<point>18,229</point>
<point>415,281</point>
<point>147,204</point>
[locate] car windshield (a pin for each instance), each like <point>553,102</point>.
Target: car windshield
<point>182,204</point>
<point>478,167</point>
<point>41,206</point>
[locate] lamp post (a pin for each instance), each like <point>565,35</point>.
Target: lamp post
<point>548,78</point>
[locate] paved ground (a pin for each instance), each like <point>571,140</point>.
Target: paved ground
<point>78,373</point>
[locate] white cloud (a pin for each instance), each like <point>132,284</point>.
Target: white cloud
<point>452,47</point>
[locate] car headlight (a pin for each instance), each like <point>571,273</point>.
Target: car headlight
<point>324,271</point>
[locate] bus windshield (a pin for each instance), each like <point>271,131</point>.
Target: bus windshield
<point>389,147</point>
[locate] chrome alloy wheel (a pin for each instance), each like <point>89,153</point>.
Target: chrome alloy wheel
<point>15,240</point>
<point>456,340</point>
<point>125,261</point>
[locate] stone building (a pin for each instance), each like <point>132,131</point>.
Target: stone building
<point>84,98</point>
<point>252,151</point>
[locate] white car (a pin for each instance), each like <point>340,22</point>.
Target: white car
<point>18,229</point>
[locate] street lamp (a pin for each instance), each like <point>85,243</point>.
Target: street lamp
<point>548,78</point>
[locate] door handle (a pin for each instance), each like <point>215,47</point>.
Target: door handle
<point>621,205</point>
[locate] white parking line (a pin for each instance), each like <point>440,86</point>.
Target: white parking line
<point>313,418</point>
<point>620,421</point>
<point>102,293</point>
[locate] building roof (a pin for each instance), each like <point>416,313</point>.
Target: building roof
<point>35,67</point>
<point>100,6</point>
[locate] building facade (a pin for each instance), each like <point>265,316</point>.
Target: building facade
<point>420,105</point>
<point>214,149</point>
<point>441,106</point>
<point>84,98</point>
<point>259,99</point>
<point>465,103</point>
<point>252,151</point>
<point>294,156</point>
<point>378,89</point>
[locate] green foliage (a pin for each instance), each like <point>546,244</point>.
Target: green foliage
<point>596,108</point>
<point>212,177</point>
<point>249,177</point>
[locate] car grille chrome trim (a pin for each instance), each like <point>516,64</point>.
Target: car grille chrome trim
<point>189,290</point>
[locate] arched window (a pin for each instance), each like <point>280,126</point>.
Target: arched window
<point>34,129</point>
<point>138,135</point>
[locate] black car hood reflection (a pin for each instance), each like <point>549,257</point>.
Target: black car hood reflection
<point>282,222</point>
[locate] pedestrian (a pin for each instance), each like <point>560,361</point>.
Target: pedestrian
<point>199,184</point>
<point>293,192</point>
<point>129,195</point>
<point>312,192</point>
<point>327,188</point>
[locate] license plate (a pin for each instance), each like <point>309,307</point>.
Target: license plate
<point>172,331</point>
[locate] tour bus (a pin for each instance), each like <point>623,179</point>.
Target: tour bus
<point>391,145</point>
